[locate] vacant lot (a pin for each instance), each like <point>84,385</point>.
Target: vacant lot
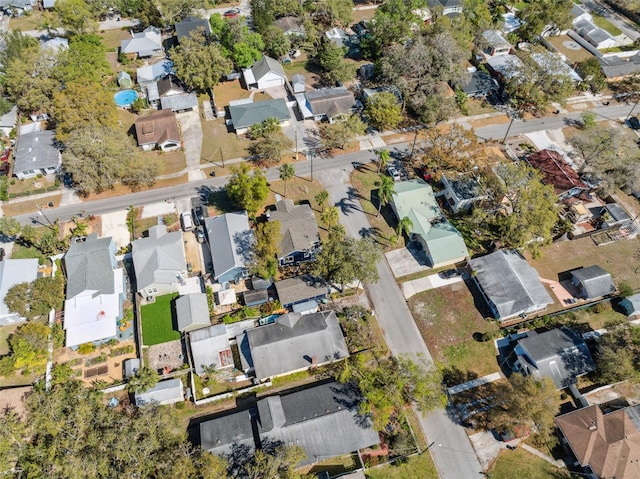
<point>415,467</point>
<point>168,162</point>
<point>447,318</point>
<point>157,321</point>
<point>220,144</point>
<point>27,22</point>
<point>113,38</point>
<point>522,464</point>
<point>227,91</point>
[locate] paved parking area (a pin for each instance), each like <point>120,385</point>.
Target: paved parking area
<point>115,225</point>
<point>407,260</point>
<point>410,288</point>
<point>158,209</point>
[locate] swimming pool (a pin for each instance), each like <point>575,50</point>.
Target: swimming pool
<point>125,98</point>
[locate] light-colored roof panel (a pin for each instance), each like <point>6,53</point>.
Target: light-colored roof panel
<point>159,257</point>
<point>231,241</point>
<point>165,392</point>
<point>192,311</point>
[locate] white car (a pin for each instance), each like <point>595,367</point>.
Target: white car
<point>393,173</point>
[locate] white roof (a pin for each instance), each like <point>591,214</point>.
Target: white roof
<point>165,392</point>
<point>91,317</point>
<point>227,296</point>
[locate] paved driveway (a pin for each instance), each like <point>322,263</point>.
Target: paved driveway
<point>192,142</point>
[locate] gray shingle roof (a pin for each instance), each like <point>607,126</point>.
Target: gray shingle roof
<point>510,283</point>
<point>159,257</point>
<point>292,343</point>
<point>206,345</point>
<point>231,241</point>
<point>323,420</point>
<point>298,226</point>
<point>249,114</point>
<point>12,272</point>
<point>296,290</point>
<point>179,102</point>
<point>477,83</point>
<point>36,150</point>
<point>192,311</point>
<point>143,43</point>
<point>330,101</point>
<point>265,65</point>
<point>150,73</point>
<point>595,281</point>
<point>189,25</point>
<point>165,392</point>
<point>89,265</point>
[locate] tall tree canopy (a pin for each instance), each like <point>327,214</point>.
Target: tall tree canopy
<point>247,189</point>
<point>539,16</point>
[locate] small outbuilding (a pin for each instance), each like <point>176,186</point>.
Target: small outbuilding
<point>163,393</point>
<point>631,306</point>
<point>124,80</point>
<point>192,311</point>
<point>592,282</point>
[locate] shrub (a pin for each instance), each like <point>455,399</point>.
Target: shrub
<point>625,290</point>
<point>86,348</point>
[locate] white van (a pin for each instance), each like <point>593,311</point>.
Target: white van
<point>187,221</point>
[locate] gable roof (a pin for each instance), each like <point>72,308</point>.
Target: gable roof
<point>289,24</point>
<point>230,240</point>
<point>267,65</point>
<point>559,354</point>
<point>12,272</point>
<point>330,102</point>
<point>415,200</point>
<point>323,420</point>
<point>168,391</point>
<point>298,289</point>
<point>143,43</point>
<point>614,66</point>
<point>507,65</point>
<point>192,311</point>
<point>555,65</point>
<point>89,265</point>
<point>292,343</point>
<point>555,171</point>
<point>249,114</point>
<point>189,25</point>
<point>150,73</point>
<point>595,281</point>
<point>298,226</point>
<point>157,128</point>
<point>608,443</point>
<point>477,82</point>
<point>209,346</point>
<point>159,257</point>
<point>184,101</point>
<point>631,304</point>
<point>509,282</point>
<point>36,150</point>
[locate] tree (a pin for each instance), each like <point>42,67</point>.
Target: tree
<point>592,76</point>
<point>144,379</point>
<point>85,61</point>
<point>385,190</point>
<point>543,16</point>
<point>16,44</point>
<point>98,157</point>
<point>383,158</point>
<point>248,191</point>
<point>269,150</point>
<point>245,53</point>
<point>74,16</point>
<point>334,69</point>
<point>338,134</point>
<point>454,149</point>
<point>330,12</point>
<point>330,216</point>
<point>322,198</point>
<point>29,80</point>
<point>287,172</point>
<point>620,344</point>
<point>383,111</point>
<point>266,249</point>
<point>277,43</point>
<point>37,298</point>
<point>588,119</point>
<point>173,11</point>
<point>199,63</point>
<point>270,126</point>
<point>404,226</point>
<point>18,299</point>
<point>392,25</point>
<point>279,463</point>
<point>29,347</point>
<point>10,227</point>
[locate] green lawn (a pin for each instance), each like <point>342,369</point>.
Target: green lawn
<point>523,465</point>
<point>605,24</point>
<point>157,321</point>
<point>415,467</point>
<point>23,252</point>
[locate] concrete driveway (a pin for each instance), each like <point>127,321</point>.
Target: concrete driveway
<point>192,142</point>
<point>410,288</point>
<point>115,225</point>
<point>408,260</point>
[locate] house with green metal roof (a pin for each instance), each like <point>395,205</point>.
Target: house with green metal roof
<point>442,242</point>
<point>246,114</point>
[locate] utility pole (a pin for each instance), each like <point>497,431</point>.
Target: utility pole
<point>632,108</point>
<point>413,147</point>
<point>221,156</point>
<point>504,140</point>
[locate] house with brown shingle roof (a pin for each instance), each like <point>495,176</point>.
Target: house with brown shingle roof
<point>557,172</point>
<point>606,445</point>
<point>158,130</point>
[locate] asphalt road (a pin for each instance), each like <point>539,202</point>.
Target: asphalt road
<point>452,452</point>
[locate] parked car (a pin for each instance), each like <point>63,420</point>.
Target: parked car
<point>200,234</point>
<point>393,173</point>
<point>634,123</point>
<point>426,174</point>
<point>449,273</point>
<point>232,13</point>
<point>294,53</point>
<point>4,156</point>
<point>198,215</point>
<point>187,221</point>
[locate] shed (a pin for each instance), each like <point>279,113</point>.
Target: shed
<point>227,296</point>
<point>210,347</point>
<point>631,306</point>
<point>299,83</point>
<point>298,290</point>
<point>131,367</point>
<point>308,307</point>
<point>165,392</point>
<point>255,298</point>
<point>259,283</point>
<point>592,282</point>
<point>192,311</point>
<point>124,80</point>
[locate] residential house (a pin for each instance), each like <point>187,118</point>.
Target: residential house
<point>210,347</point>
<point>612,214</point>
<point>36,152</point>
<point>231,244</point>
<point>631,306</point>
<point>592,282</point>
<point>441,241</point>
<point>192,312</point>
<point>159,261</point>
<point>291,344</point>
<point>368,93</point>
<point>144,44</point>
<point>616,68</point>
<point>124,80</point>
<point>180,103</point>
<point>510,286</point>
<point>299,231</point>
<point>605,445</point>
<point>244,115</point>
<point>265,73</point>
<point>323,420</point>
<point>56,44</point>
<point>17,8</point>
<point>555,65</point>
<point>557,172</point>
<point>95,291</point>
<point>461,191</point>
<point>477,84</point>
<point>152,73</point>
<point>494,43</point>
<point>189,25</point>
<point>451,8</point>
<point>158,130</point>
<point>338,37</point>
<point>8,121</point>
<point>12,272</point>
<point>504,67</point>
<point>292,291</point>
<point>329,104</point>
<point>169,92</point>
<point>169,391</point>
<point>559,354</point>
<point>596,36</point>
<point>579,13</point>
<point>291,26</point>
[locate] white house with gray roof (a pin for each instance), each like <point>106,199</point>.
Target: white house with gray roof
<point>245,114</point>
<point>152,73</point>
<point>322,419</point>
<point>144,44</point>
<point>12,272</point>
<point>95,291</point>
<point>36,152</point>
<point>294,342</point>
<point>231,243</point>
<point>159,261</point>
<point>169,391</point>
<point>192,312</point>
<point>299,230</point>
<point>265,73</point>
<point>510,285</point>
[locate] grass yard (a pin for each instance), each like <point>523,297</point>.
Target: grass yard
<point>364,180</point>
<point>524,465</point>
<point>5,332</point>
<point>219,144</point>
<point>27,22</point>
<point>157,321</point>
<point>30,185</point>
<point>605,24</point>
<point>414,467</point>
<point>24,252</point>
<point>447,317</point>
<point>335,466</point>
<point>112,38</point>
<point>168,162</point>
<point>227,91</point>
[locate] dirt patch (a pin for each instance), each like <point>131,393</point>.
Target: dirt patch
<point>121,190</point>
<point>193,252</point>
<point>30,206</point>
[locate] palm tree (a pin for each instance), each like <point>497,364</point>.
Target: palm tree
<point>144,380</point>
<point>404,226</point>
<point>81,228</point>
<point>330,216</point>
<point>287,172</point>
<point>383,158</point>
<point>322,198</point>
<point>385,191</point>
